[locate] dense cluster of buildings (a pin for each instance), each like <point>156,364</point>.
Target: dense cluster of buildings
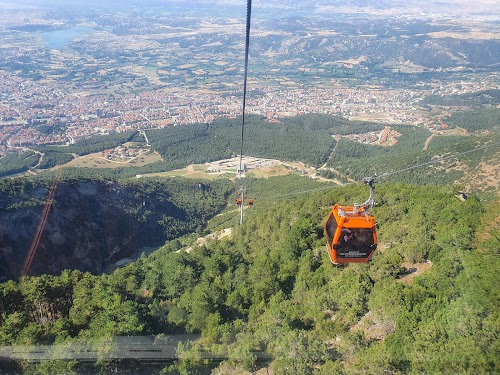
<point>33,114</point>
<point>136,85</point>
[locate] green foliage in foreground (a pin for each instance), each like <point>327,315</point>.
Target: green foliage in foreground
<point>271,289</point>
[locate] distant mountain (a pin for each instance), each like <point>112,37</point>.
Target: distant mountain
<point>368,5</point>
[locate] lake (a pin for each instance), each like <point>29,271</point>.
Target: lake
<point>59,39</point>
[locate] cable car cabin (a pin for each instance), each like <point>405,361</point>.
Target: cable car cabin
<point>350,231</point>
<point>239,201</point>
<point>351,235</point>
<point>250,202</point>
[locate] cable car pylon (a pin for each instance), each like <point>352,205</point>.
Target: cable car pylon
<point>240,201</point>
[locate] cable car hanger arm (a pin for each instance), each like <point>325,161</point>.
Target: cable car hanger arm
<point>371,200</point>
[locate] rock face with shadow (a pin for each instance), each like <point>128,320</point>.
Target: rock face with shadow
<point>90,224</point>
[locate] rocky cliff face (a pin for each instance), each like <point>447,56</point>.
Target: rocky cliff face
<point>89,224</point>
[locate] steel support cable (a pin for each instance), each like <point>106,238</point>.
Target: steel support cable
<point>247,47</point>
<point>240,166</point>
<point>385,174</point>
<point>438,160</point>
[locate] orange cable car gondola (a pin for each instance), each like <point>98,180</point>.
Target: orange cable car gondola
<point>350,231</point>
<point>250,202</point>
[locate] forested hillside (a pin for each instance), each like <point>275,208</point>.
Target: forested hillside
<point>91,224</point>
<point>486,119</point>
<point>306,138</point>
<point>312,139</point>
<point>269,296</point>
<point>17,163</point>
<point>356,160</point>
<point>57,155</point>
<point>475,99</point>
<point>12,164</point>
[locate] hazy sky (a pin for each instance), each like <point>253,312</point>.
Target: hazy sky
<point>358,3</point>
<point>487,7</point>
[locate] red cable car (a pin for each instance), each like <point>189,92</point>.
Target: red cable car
<point>350,231</point>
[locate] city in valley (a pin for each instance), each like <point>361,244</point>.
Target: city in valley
<point>68,73</point>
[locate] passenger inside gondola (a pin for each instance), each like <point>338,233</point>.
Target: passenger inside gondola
<point>359,239</point>
<point>347,235</point>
